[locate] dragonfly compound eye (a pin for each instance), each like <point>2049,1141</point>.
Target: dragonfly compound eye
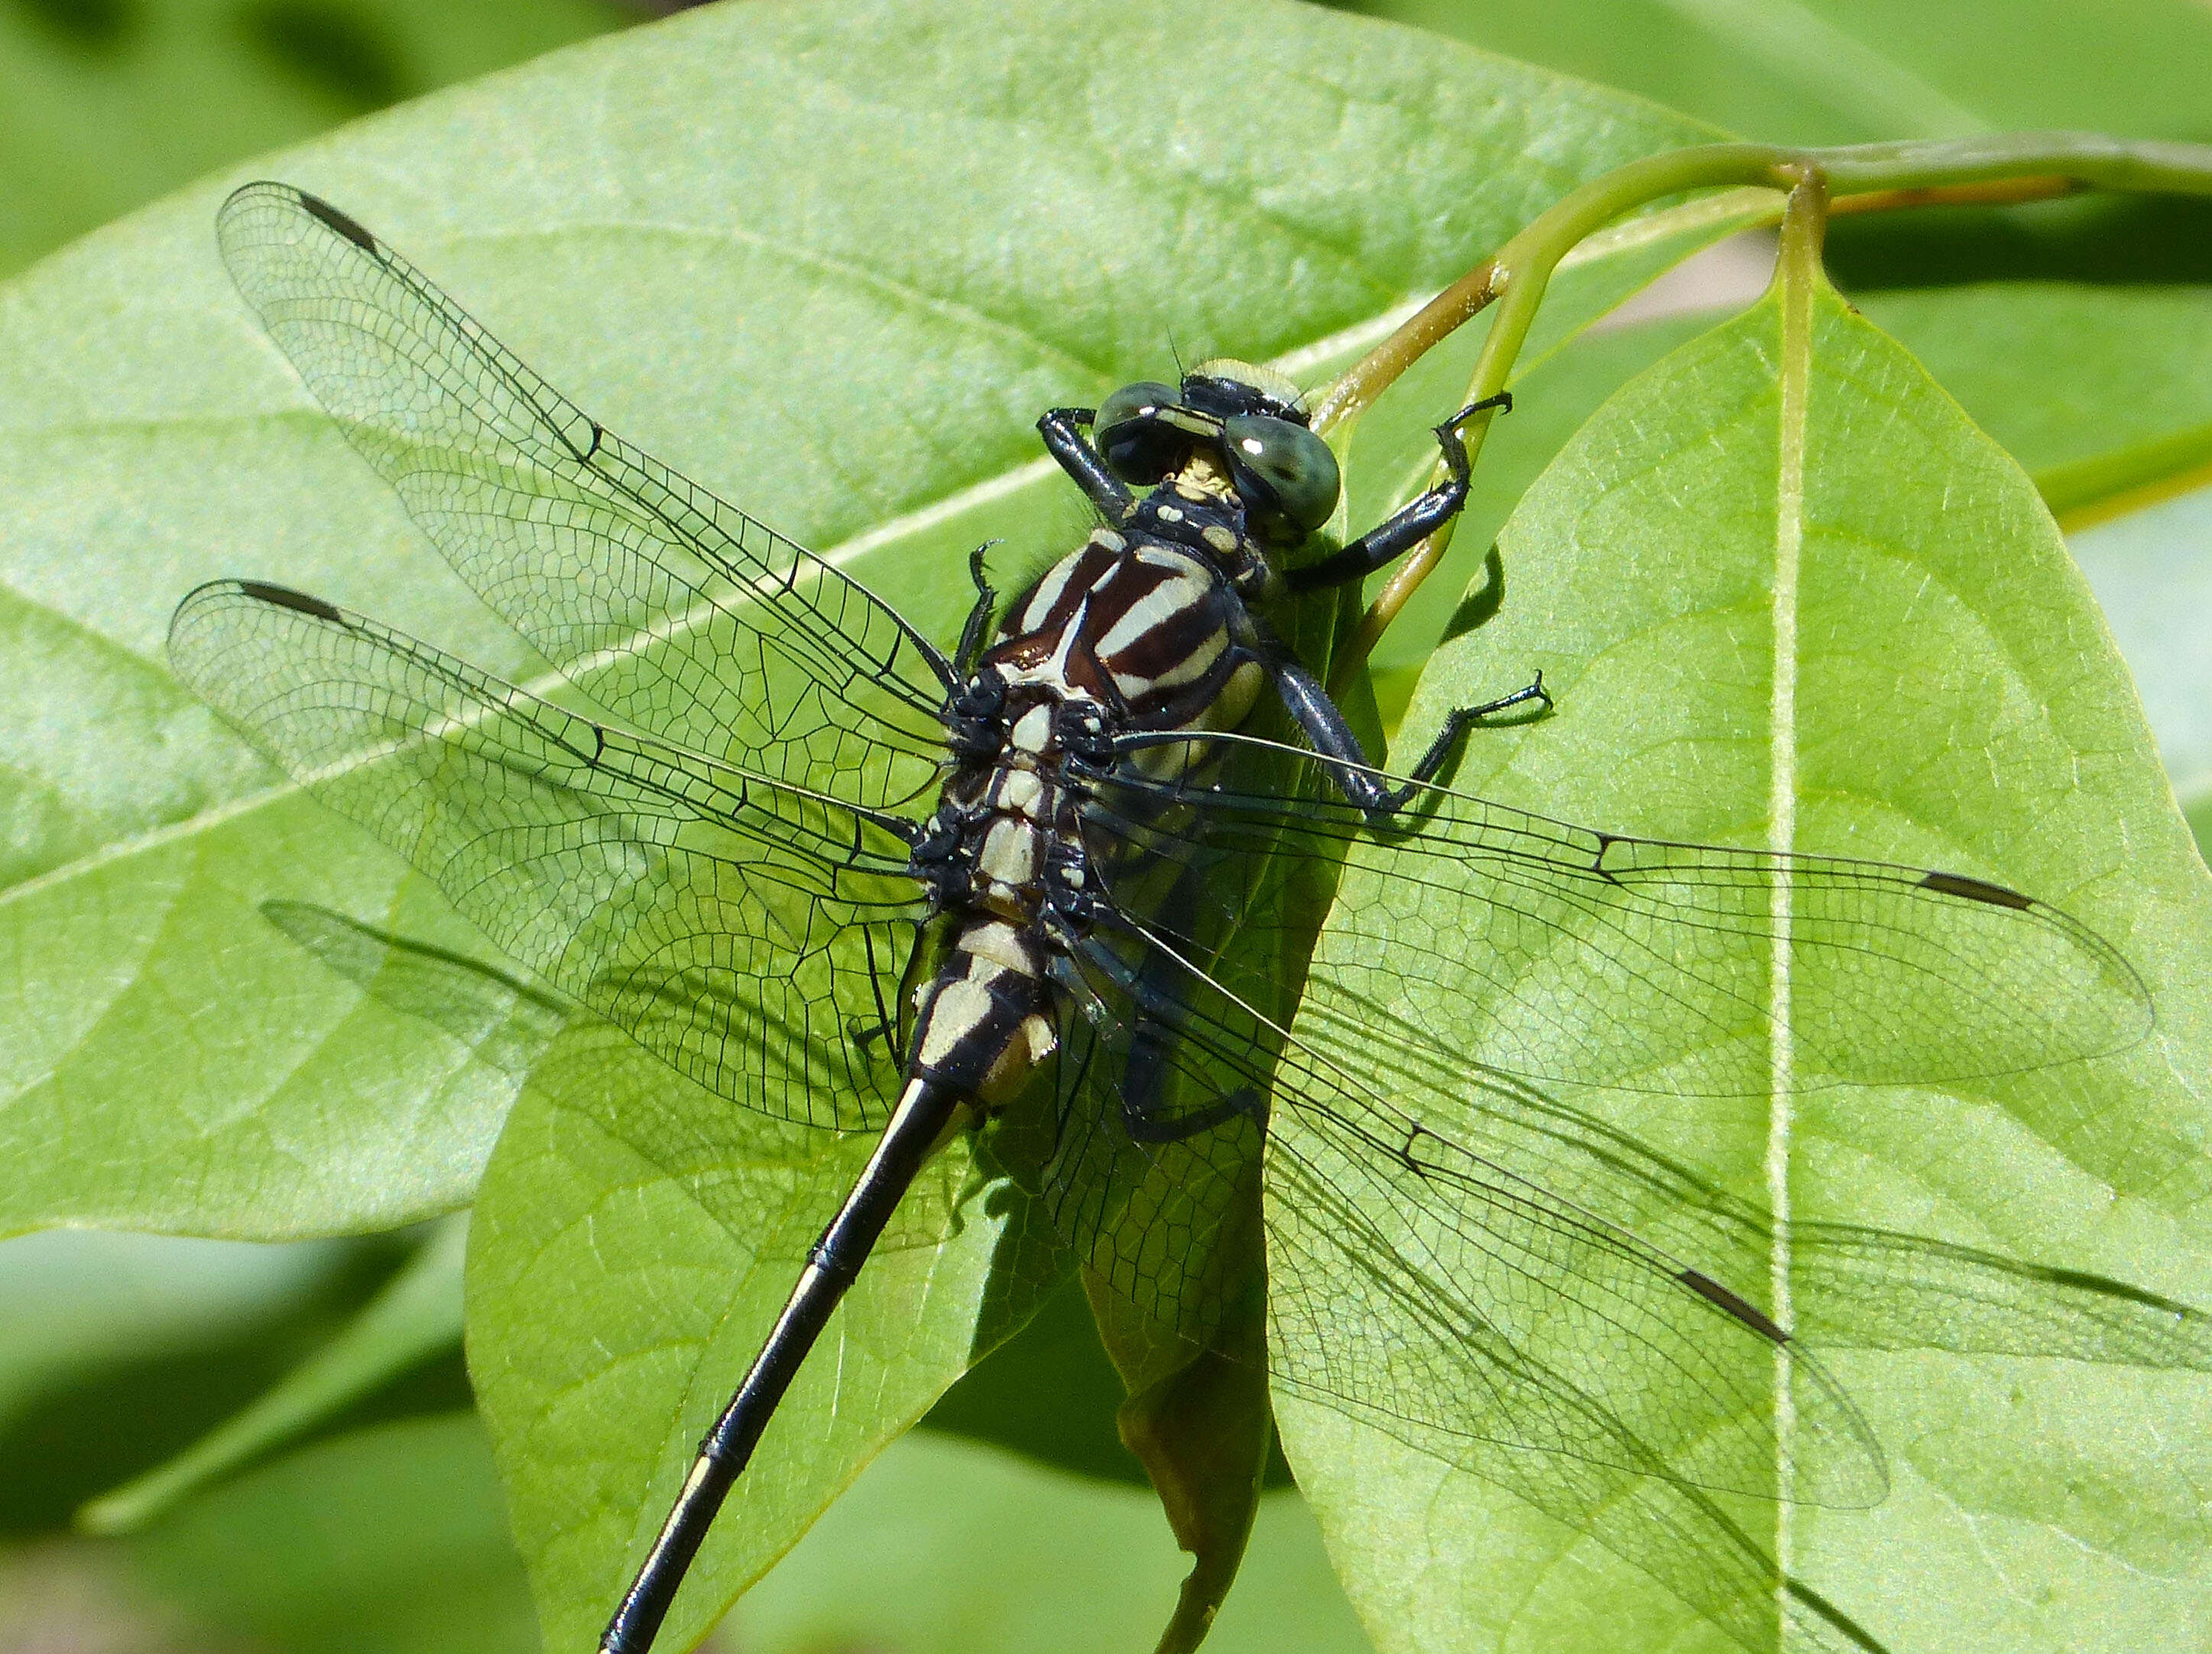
<point>1281,469</point>
<point>1138,445</point>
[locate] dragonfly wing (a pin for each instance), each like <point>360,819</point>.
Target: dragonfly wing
<point>1151,1165</point>
<point>1516,1287</point>
<point>1485,1280</point>
<point>748,932</point>
<point>1461,1310</point>
<point>1155,1151</point>
<point>680,615</point>
<point>1564,957</point>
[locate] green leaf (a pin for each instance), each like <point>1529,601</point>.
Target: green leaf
<point>2099,391</point>
<point>1948,699</point>
<point>388,1541</point>
<point>113,102</point>
<point>833,217</point>
<point>635,1239</point>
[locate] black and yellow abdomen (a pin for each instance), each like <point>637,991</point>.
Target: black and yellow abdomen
<point>1128,634</point>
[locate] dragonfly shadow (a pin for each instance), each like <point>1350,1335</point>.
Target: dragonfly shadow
<point>503,1019</point>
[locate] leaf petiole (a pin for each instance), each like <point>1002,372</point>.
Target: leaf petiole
<point>1998,168</point>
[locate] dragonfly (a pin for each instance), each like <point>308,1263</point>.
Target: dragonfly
<point>1061,880</point>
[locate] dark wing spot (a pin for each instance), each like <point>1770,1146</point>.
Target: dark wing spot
<point>1713,1292</point>
<point>338,222</point>
<point>283,596</point>
<point>1974,889</point>
<point>2108,1287</point>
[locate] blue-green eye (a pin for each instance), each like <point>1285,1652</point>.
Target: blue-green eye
<point>1135,446</point>
<point>1295,474</point>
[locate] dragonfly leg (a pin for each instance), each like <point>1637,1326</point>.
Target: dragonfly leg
<point>1144,1114</point>
<point>866,1034</point>
<point>1414,522</point>
<point>1323,722</point>
<point>977,629</point>
<point>1462,719</point>
<point>1063,432</point>
<point>1154,1126</point>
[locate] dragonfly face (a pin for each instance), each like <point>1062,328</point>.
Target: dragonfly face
<point>837,873</point>
<point>1233,433</point>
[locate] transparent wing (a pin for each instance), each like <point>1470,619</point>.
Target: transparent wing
<point>748,932</point>
<point>1461,1310</point>
<point>681,615</point>
<point>1500,1278</point>
<point>1568,958</point>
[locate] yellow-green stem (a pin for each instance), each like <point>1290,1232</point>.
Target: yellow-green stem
<point>1866,177</point>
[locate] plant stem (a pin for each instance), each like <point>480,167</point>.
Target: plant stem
<point>1860,178</point>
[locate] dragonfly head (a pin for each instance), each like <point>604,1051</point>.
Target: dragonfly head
<point>1231,430</point>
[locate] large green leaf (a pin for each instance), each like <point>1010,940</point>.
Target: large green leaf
<point>2098,391</point>
<point>1945,696</point>
<point>818,296</point>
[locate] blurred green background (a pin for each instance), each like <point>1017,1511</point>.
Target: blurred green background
<point>383,1535</point>
<point>109,103</point>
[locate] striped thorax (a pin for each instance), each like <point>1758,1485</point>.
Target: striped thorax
<point>1143,630</point>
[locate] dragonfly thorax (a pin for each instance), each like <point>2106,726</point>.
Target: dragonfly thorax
<point>1132,633</point>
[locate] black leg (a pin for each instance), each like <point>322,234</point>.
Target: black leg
<point>1063,433</point>
<point>1323,722</point>
<point>1157,1011</point>
<point>979,617</point>
<point>1457,725</point>
<point>1313,711</point>
<point>1409,526</point>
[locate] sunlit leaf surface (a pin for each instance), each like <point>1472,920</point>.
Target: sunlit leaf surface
<point>1881,652</point>
<point>814,300</point>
